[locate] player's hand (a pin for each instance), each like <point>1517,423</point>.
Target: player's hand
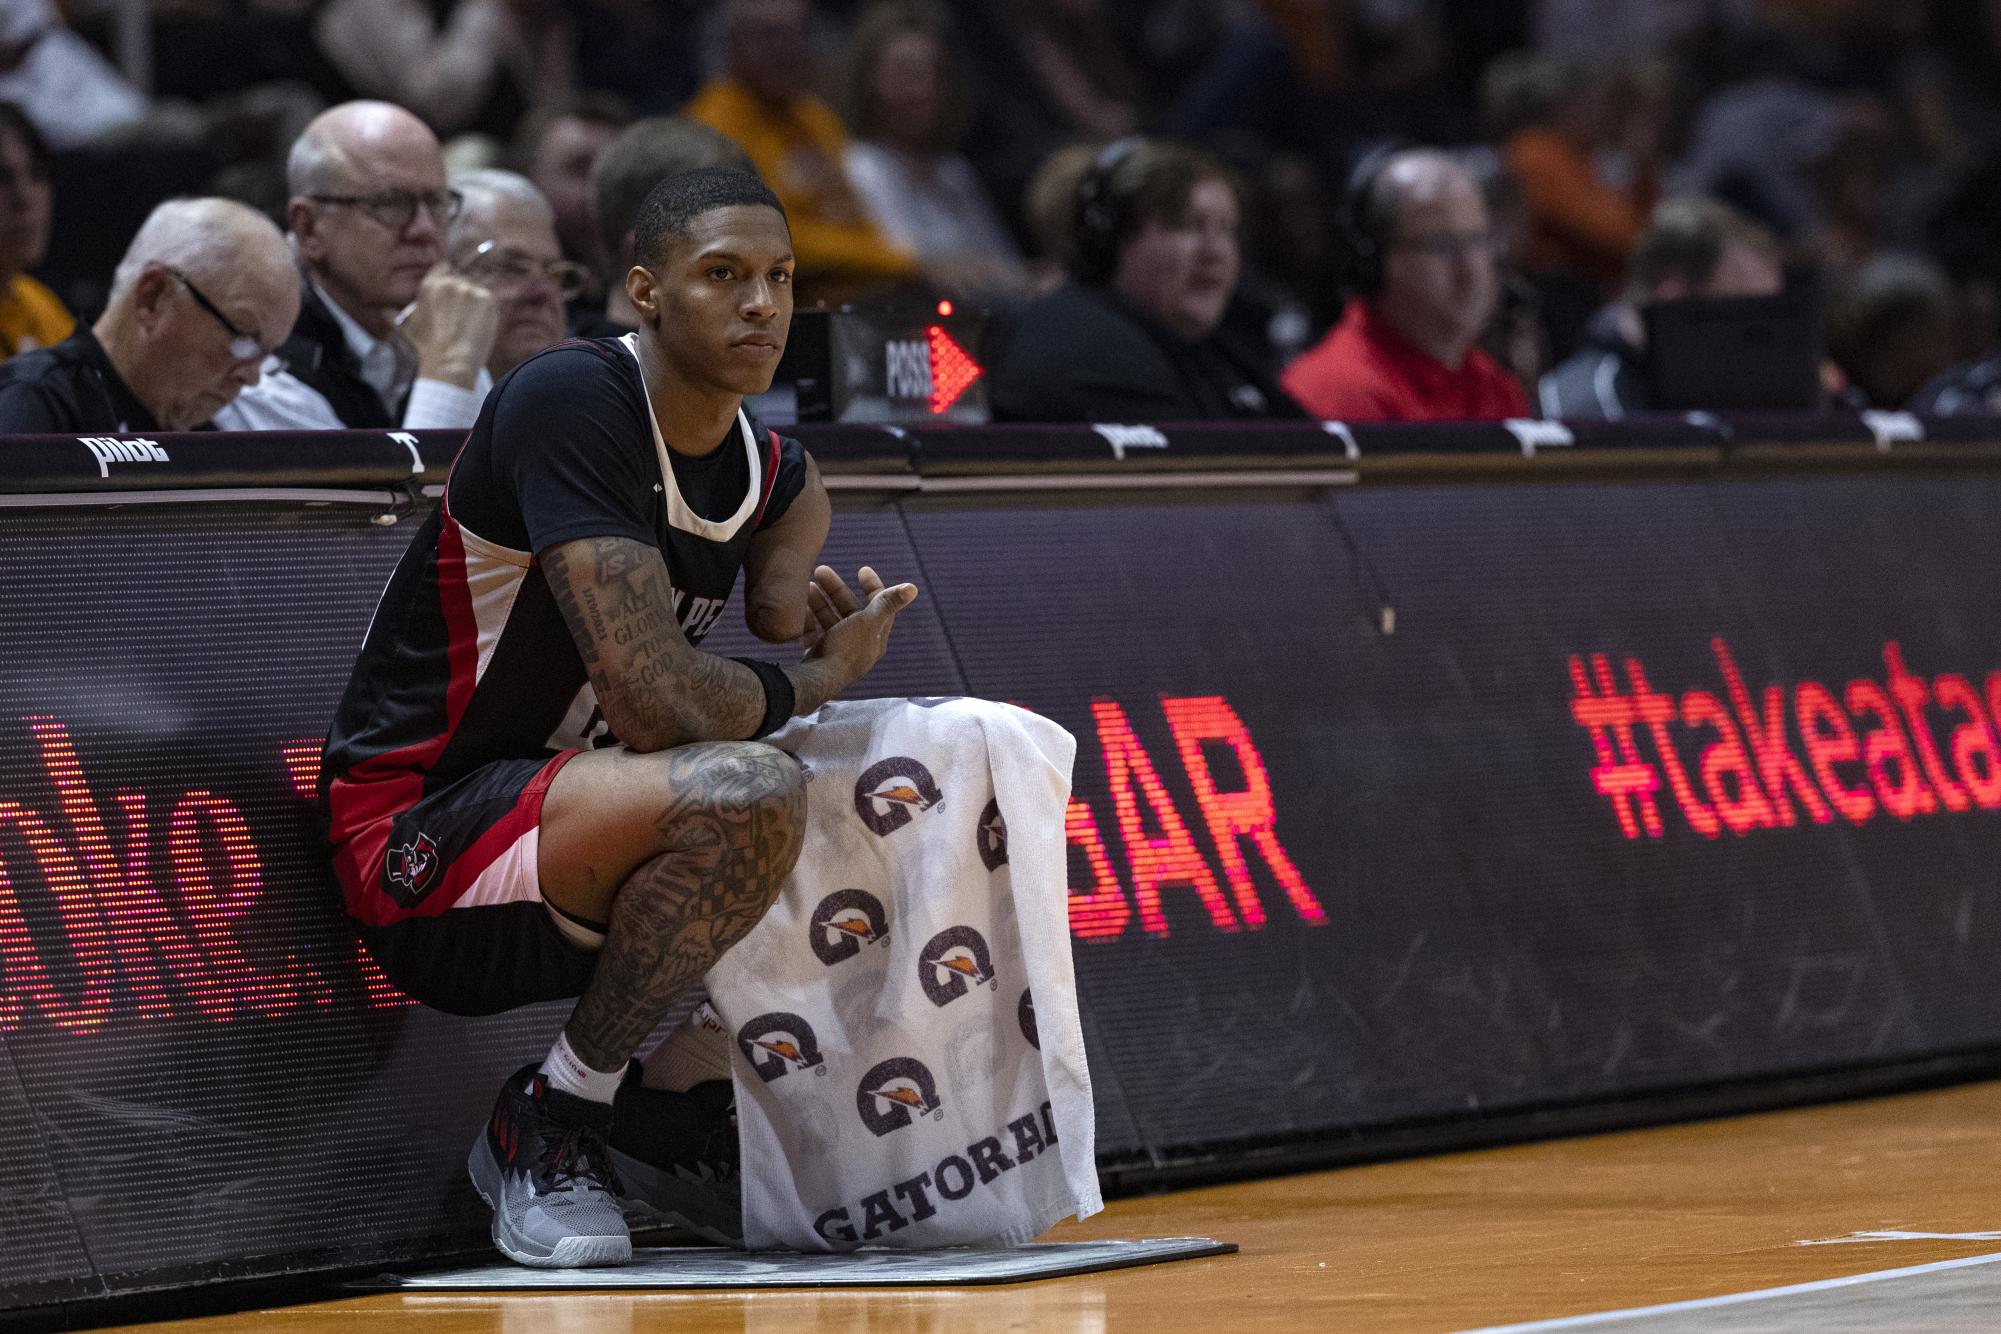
<point>452,328</point>
<point>850,630</point>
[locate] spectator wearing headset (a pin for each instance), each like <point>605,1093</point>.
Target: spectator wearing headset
<point>1426,283</point>
<point>1135,334</point>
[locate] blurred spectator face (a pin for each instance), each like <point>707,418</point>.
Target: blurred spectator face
<point>904,89</point>
<point>1182,271</point>
<point>371,237</point>
<point>562,172</point>
<point>771,48</point>
<point>510,248</point>
<point>207,334</point>
<point>1890,327</point>
<point>1441,282</point>
<point>25,200</point>
<point>1743,270</point>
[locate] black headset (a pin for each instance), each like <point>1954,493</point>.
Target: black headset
<point>1364,238</point>
<point>1100,220</point>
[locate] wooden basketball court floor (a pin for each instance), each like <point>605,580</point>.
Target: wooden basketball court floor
<point>1593,1227</point>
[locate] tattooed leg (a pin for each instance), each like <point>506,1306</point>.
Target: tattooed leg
<point>731,831</point>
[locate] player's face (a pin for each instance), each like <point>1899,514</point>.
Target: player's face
<point>722,298</point>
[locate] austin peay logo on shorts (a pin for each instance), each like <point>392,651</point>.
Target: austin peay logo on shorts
<point>992,835</point>
<point>1025,1015</point>
<point>846,920</point>
<point>778,1043</point>
<point>407,869</point>
<point>895,1092</point>
<point>890,792</point>
<point>953,962</point>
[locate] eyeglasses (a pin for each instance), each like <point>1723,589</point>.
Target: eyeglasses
<point>242,346</point>
<point>396,209</point>
<point>507,271</point>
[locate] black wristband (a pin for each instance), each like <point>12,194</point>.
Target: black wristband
<point>778,696</point>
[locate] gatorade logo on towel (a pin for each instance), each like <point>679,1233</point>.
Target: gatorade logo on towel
<point>896,1092</point>
<point>893,792</point>
<point>778,1043</point>
<point>846,920</point>
<point>953,962</point>
<point>992,834</point>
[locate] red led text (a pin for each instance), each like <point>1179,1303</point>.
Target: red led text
<point>1806,754</point>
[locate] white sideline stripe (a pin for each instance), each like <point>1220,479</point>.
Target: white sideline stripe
<point>1736,1298</point>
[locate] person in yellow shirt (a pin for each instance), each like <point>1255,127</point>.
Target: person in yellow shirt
<point>30,314</point>
<point>765,103</point>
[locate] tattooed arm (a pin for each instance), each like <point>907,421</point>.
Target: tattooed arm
<point>655,688</point>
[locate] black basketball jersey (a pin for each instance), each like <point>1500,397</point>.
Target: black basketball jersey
<point>468,659</point>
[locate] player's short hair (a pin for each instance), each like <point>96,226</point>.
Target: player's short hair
<point>676,202</point>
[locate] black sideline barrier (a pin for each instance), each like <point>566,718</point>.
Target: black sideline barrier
<point>1546,780</point>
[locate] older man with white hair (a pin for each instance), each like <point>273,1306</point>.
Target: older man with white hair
<point>504,239</point>
<point>386,336</point>
<point>205,291</point>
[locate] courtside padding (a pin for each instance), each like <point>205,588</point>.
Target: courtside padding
<point>1540,790</point>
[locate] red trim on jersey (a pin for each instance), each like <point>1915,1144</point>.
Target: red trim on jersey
<point>501,835</point>
<point>361,803</point>
<point>770,479</point>
<point>358,860</point>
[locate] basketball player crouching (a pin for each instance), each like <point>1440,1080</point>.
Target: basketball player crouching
<point>537,785</point>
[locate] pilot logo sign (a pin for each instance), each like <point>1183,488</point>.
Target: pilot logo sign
<point>778,1043</point>
<point>407,868</point>
<point>846,920</point>
<point>894,1093</point>
<point>109,449</point>
<point>954,961</point>
<point>892,792</point>
<point>992,834</point>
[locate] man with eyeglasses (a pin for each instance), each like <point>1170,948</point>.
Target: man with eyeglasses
<point>205,291</point>
<point>386,337</point>
<point>1425,280</point>
<point>504,239</point>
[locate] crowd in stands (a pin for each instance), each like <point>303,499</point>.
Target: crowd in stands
<point>291,214</point>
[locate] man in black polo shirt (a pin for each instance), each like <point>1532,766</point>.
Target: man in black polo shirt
<point>204,292</point>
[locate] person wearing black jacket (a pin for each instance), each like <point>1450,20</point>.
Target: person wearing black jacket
<point>1135,335</point>
<point>205,291</point>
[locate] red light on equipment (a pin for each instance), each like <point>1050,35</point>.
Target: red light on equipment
<point>952,370</point>
<point>944,310</point>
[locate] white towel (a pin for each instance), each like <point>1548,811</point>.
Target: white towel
<point>909,1063</point>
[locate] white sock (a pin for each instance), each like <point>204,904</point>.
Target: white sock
<point>697,1051</point>
<point>566,1070</point>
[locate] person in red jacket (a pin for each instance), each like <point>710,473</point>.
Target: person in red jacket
<point>1426,284</point>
